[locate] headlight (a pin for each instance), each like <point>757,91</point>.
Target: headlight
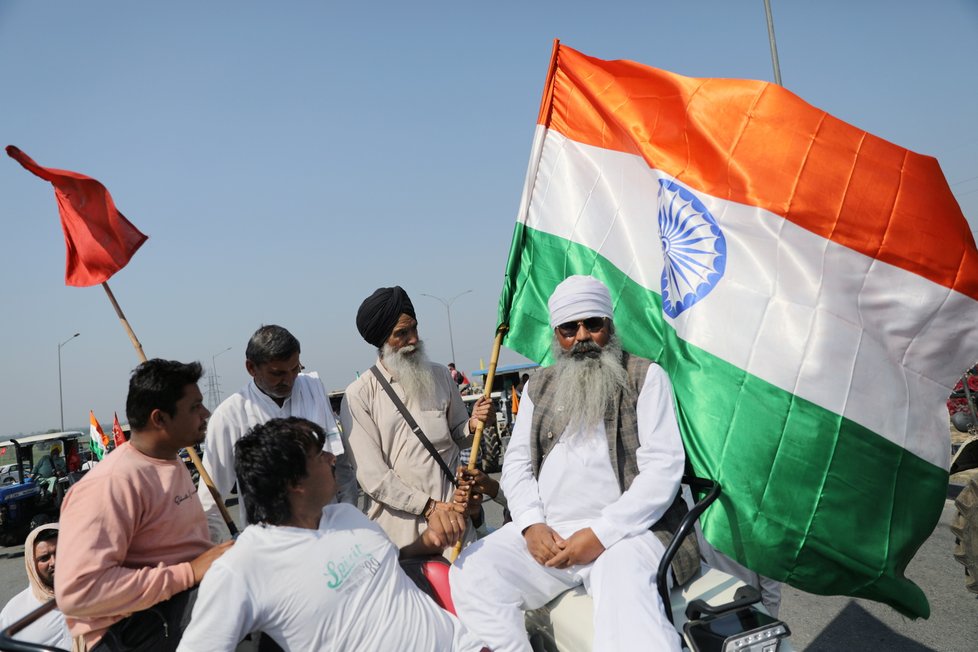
<point>744,630</point>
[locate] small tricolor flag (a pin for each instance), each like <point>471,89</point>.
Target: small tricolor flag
<point>99,441</point>
<point>809,288</point>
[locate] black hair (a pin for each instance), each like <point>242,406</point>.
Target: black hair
<point>157,385</point>
<point>271,343</point>
<point>270,459</point>
<point>46,534</point>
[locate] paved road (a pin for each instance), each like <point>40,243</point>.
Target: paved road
<point>819,624</point>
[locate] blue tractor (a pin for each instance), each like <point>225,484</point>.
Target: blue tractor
<point>27,501</point>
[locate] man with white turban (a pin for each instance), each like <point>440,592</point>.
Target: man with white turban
<point>592,477</point>
<point>39,556</point>
<point>405,484</point>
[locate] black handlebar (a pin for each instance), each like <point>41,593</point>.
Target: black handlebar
<point>685,527</point>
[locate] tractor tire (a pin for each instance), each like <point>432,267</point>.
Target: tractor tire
<point>491,448</point>
<point>38,520</point>
<point>965,530</point>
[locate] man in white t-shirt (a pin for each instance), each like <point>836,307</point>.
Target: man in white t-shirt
<point>312,574</point>
<point>277,389</point>
<point>39,556</point>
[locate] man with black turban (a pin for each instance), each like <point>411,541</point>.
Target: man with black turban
<point>403,482</point>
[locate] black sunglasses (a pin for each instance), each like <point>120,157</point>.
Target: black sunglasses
<point>570,328</point>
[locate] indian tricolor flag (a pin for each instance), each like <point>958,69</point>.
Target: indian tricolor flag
<point>809,288</point>
<point>99,442</point>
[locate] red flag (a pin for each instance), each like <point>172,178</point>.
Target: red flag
<point>117,434</point>
<point>99,239</point>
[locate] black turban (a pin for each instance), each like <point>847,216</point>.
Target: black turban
<point>378,314</point>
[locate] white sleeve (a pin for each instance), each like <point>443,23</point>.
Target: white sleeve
<point>661,459</point>
<point>219,464</point>
<point>6,621</point>
<point>223,614</point>
<point>517,481</point>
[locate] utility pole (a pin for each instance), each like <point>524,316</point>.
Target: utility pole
<point>448,309</point>
<point>214,383</point>
<point>61,399</point>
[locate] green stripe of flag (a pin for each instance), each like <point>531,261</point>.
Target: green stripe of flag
<point>809,497</point>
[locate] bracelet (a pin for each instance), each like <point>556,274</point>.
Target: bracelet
<point>428,509</point>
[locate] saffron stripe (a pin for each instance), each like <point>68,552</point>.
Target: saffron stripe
<point>758,144</point>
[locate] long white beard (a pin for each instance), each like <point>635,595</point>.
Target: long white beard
<point>587,379</point>
<point>410,367</point>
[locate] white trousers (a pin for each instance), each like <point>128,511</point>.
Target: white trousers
<point>496,579</point>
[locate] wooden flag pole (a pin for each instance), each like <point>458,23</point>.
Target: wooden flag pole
<point>198,464</point>
<point>487,392</point>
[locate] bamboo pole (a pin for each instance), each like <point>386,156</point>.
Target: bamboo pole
<point>194,458</point>
<point>487,392</point>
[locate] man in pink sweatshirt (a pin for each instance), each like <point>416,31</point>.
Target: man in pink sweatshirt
<point>134,536</point>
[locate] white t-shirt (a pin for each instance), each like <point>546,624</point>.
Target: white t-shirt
<point>336,588</point>
<point>50,629</point>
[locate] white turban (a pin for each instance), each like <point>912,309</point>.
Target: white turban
<point>579,297</point>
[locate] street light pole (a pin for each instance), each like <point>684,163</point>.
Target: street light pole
<point>61,400</point>
<point>448,309</point>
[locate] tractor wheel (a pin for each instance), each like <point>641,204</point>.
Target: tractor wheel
<point>38,520</point>
<point>965,529</point>
<point>491,448</point>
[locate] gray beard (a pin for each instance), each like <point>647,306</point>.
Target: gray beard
<point>587,379</point>
<point>410,367</point>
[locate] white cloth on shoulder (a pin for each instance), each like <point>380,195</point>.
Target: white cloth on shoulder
<point>245,409</point>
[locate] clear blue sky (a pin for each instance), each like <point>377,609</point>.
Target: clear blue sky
<point>287,158</point>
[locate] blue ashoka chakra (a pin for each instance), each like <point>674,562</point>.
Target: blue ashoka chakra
<point>693,248</point>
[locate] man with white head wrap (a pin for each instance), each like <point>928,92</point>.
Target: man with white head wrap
<point>594,462</point>
<point>39,557</point>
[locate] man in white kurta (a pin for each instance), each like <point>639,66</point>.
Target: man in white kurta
<point>405,484</point>
<point>40,551</point>
<point>276,390</point>
<point>572,523</point>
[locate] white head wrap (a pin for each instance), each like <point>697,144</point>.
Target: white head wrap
<point>579,297</point>
<point>38,588</point>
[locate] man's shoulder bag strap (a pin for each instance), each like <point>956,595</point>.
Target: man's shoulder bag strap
<point>412,424</point>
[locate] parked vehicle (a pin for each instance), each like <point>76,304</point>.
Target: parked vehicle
<point>496,438</point>
<point>11,473</point>
<point>24,503</point>
<point>965,524</point>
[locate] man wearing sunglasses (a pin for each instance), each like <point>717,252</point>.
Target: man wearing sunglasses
<point>277,389</point>
<point>592,477</point>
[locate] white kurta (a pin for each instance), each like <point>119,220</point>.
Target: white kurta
<point>336,588</point>
<point>577,488</point>
<point>245,409</point>
<point>50,629</point>
<point>394,469</point>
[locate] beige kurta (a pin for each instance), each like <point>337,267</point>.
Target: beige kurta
<point>393,468</point>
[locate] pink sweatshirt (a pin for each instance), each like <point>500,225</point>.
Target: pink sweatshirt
<point>128,532</point>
